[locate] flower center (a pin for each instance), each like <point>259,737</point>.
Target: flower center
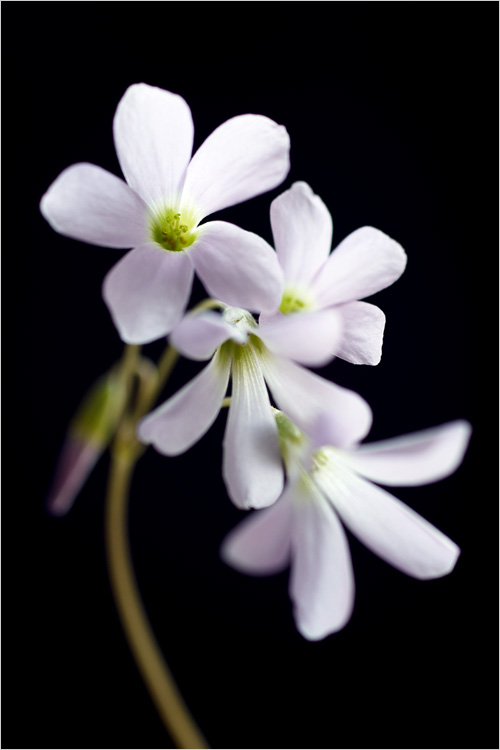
<point>171,232</point>
<point>295,300</point>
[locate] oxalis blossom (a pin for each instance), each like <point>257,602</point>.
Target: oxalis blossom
<point>158,212</point>
<point>363,263</point>
<point>329,483</point>
<point>252,466</point>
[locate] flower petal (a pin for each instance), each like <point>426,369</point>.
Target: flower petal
<point>302,395</point>
<point>364,263</point>
<point>153,131</point>
<point>260,545</point>
<point>363,326</point>
<point>184,418</point>
<point>244,157</point>
<point>252,467</point>
<point>237,267</point>
<point>198,336</point>
<point>302,230</point>
<point>309,338</point>
<point>89,204</point>
<point>147,292</point>
<point>322,581</point>
<point>388,527</point>
<point>415,459</point>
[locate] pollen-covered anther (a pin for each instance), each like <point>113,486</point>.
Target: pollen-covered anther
<point>167,231</point>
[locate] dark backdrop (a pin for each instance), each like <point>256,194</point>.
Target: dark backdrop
<point>392,113</point>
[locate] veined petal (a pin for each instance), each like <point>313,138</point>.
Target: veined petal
<point>260,545</point>
<point>302,395</point>
<point>147,292</point>
<point>181,421</point>
<point>252,467</point>
<point>237,267</point>
<point>419,458</point>
<point>244,157</point>
<point>363,327</point>
<point>302,230</point>
<point>388,527</point>
<point>153,131</point>
<point>364,263</point>
<point>321,581</point>
<point>198,336</point>
<point>89,204</point>
<point>309,338</point>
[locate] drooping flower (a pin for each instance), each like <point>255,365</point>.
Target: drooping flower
<point>329,483</point>
<point>252,466</point>
<point>158,212</point>
<point>364,263</point>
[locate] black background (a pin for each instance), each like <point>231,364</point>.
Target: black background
<point>392,112</point>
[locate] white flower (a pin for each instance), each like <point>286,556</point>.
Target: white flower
<point>364,263</point>
<point>252,467</point>
<point>159,210</point>
<point>327,484</point>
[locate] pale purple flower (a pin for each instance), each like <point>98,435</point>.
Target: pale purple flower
<point>364,263</point>
<point>329,483</point>
<point>158,212</point>
<point>252,466</point>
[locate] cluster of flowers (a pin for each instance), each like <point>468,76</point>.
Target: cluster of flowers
<point>303,460</point>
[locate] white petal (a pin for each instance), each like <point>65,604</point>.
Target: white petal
<point>147,292</point>
<point>388,527</point>
<point>309,338</point>
<point>419,458</point>
<point>302,395</point>
<point>243,157</point>
<point>364,263</point>
<point>252,467</point>
<point>89,204</point>
<point>363,326</point>
<point>322,581</point>
<point>302,230</point>
<point>237,267</point>
<point>153,131</point>
<point>181,421</point>
<point>260,545</point>
<point>198,336</point>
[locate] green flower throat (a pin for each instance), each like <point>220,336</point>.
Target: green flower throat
<point>172,234</point>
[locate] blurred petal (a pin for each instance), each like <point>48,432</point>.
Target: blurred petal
<point>237,267</point>
<point>302,230</point>
<point>198,336</point>
<point>363,326</point>
<point>419,458</point>
<point>182,420</point>
<point>147,292</point>
<point>309,338</point>
<point>77,459</point>
<point>153,131</point>
<point>364,263</point>
<point>321,581</point>
<point>242,158</point>
<point>89,204</point>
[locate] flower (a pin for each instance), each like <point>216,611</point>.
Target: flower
<point>158,212</point>
<point>364,263</point>
<point>252,466</point>
<point>327,484</point>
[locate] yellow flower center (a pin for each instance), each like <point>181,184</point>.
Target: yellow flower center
<point>171,231</point>
<point>296,300</point>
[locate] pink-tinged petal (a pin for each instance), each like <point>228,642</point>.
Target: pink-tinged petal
<point>252,467</point>
<point>302,230</point>
<point>322,580</point>
<point>237,267</point>
<point>363,326</point>
<point>153,131</point>
<point>198,336</point>
<point>89,204</point>
<point>364,263</point>
<point>388,527</point>
<point>411,460</point>
<point>184,418</point>
<point>260,545</point>
<point>147,292</point>
<point>244,157</point>
<point>302,395</point>
<point>309,338</point>
<point>77,459</point>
